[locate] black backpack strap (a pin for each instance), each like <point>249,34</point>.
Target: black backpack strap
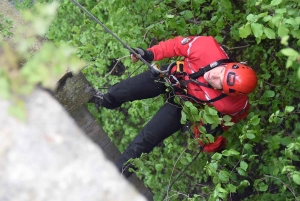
<point>208,68</point>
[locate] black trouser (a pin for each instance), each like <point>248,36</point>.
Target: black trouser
<point>164,123</point>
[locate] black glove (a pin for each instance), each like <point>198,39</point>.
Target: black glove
<point>145,54</point>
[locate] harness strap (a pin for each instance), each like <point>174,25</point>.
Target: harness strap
<point>184,92</point>
<point>208,68</point>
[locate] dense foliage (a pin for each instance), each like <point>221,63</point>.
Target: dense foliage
<point>261,160</point>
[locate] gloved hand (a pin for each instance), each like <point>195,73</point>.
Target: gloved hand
<point>145,54</point>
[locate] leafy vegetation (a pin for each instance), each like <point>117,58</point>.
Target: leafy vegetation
<point>261,161</point>
<point>22,69</point>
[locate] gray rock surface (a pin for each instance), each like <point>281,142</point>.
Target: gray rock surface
<point>48,157</point>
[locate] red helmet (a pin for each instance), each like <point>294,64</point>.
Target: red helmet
<point>239,79</point>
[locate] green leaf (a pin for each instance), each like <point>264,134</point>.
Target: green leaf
<point>257,29</point>
<point>289,52</point>
<point>241,171</point>
<point>245,31</point>
<point>269,94</point>
<point>216,156</point>
<point>282,31</point>
<point>244,165</point>
<point>211,110</point>
<point>230,152</point>
<point>227,118</point>
<point>245,183</point>
<point>223,176</point>
<point>159,167</point>
<point>183,118</point>
<point>269,33</point>
<point>252,18</point>
<point>250,136</point>
<point>231,188</point>
<point>187,14</point>
<point>255,120</point>
<point>289,109</point>
<point>275,2</point>
<point>188,104</point>
<point>247,146</point>
<point>220,189</point>
<point>207,118</point>
<point>170,16</point>
<point>296,178</point>
<point>210,137</point>
<point>296,34</point>
<point>263,186</point>
<point>226,4</point>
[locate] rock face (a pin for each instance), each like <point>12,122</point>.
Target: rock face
<point>49,158</point>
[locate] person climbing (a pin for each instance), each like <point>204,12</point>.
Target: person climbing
<point>205,76</point>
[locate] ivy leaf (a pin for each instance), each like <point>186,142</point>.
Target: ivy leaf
<point>283,31</point>
<point>245,31</point>
<point>269,33</point>
<point>257,29</point>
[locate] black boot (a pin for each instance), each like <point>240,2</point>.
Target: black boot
<point>97,99</point>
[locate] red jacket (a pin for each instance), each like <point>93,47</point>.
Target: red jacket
<point>198,52</point>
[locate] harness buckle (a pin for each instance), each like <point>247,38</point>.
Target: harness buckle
<point>172,81</point>
<point>179,66</point>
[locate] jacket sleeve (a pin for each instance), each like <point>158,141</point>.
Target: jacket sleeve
<point>171,48</point>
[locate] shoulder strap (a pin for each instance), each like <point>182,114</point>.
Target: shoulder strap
<point>208,68</point>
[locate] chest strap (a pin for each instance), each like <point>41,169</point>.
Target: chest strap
<point>208,68</point>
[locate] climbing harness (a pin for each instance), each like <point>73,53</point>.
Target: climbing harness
<point>153,67</point>
<point>180,79</point>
